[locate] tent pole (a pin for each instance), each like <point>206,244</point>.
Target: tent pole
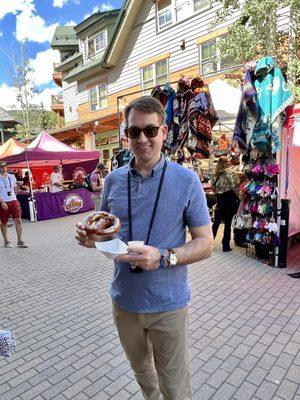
<point>30,188</point>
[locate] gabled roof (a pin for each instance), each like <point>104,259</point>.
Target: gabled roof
<point>95,18</point>
<point>122,28</point>
<point>5,116</point>
<point>64,36</point>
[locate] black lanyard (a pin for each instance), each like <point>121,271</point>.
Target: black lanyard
<point>137,269</point>
<point>4,181</point>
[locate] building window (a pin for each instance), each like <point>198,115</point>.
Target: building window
<point>90,46</point>
<point>100,41</point>
<point>211,60</point>
<point>154,74</point>
<point>208,57</point>
<point>171,11</point>
<point>98,97</point>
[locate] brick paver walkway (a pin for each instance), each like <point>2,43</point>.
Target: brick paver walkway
<point>244,324</point>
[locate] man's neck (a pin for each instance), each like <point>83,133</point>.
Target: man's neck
<point>3,174</point>
<point>145,168</point>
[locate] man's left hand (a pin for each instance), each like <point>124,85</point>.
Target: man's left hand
<point>145,257</point>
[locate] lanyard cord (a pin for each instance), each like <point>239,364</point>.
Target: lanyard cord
<point>5,180</point>
<point>137,269</point>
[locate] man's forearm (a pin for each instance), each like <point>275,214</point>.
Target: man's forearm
<point>195,250</point>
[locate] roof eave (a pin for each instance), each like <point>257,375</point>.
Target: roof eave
<point>85,73</point>
<point>118,39</point>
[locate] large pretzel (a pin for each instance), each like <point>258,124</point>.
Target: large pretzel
<point>102,223</point>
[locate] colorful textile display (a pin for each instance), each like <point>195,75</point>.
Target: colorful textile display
<point>166,96</point>
<point>190,116</point>
<point>273,96</point>
<point>247,114</point>
<point>265,95</point>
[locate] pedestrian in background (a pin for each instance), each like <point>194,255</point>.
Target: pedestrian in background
<point>56,180</point>
<point>225,183</point>
<point>9,206</point>
<point>155,200</point>
<point>96,180</point>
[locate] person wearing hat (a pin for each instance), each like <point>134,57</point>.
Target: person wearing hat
<point>9,206</point>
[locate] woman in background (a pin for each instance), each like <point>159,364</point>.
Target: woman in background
<point>225,184</point>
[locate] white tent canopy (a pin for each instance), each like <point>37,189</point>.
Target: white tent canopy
<point>226,99</point>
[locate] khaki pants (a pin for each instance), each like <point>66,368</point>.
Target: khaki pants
<point>157,349</point>
<point>96,199</point>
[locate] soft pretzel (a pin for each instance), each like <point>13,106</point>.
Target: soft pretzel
<point>102,223</point>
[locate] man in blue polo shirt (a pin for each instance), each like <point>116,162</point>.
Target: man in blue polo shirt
<point>156,200</point>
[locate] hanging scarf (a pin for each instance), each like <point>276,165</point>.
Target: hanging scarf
<point>273,96</point>
<point>247,113</point>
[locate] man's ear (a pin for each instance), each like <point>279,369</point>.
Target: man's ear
<point>165,131</point>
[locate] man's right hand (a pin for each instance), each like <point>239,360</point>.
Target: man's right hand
<point>4,206</point>
<point>87,240</point>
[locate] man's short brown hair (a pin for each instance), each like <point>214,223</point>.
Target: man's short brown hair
<point>148,105</point>
<point>2,164</point>
<point>100,166</point>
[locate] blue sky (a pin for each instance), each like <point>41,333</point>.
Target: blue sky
<point>34,22</point>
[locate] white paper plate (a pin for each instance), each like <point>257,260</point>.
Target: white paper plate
<point>112,248</point>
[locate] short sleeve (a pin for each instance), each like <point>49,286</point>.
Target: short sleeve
<point>196,212</point>
<point>104,196</point>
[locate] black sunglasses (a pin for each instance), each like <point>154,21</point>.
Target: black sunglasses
<point>133,132</point>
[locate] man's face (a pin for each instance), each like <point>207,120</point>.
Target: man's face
<point>146,149</point>
<point>3,168</point>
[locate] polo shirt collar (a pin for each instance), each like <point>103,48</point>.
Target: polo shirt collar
<point>157,167</point>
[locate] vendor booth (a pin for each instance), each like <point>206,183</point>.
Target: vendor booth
<point>41,155</point>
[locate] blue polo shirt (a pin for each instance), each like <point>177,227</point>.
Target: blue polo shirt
<point>182,204</point>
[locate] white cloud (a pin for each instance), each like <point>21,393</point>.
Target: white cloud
<point>42,66</point>
<point>8,95</point>
<point>33,27</point>
<point>61,3</point>
<point>106,7</point>
<point>1,33</point>
<point>15,6</point>
<point>29,25</point>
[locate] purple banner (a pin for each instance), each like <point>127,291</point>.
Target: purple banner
<point>56,205</point>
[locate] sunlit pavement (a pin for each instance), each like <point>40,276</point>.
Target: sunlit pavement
<point>244,324</point>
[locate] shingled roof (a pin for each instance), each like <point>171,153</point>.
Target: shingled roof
<point>5,116</point>
<point>64,36</point>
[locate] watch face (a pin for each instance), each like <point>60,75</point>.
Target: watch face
<point>173,259</point>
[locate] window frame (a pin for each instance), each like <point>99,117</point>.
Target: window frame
<point>98,96</point>
<point>153,65</point>
<point>218,61</point>
<point>173,6</point>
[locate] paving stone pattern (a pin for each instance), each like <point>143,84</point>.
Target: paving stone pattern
<point>244,324</point>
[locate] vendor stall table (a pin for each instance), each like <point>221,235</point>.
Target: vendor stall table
<point>56,205</point>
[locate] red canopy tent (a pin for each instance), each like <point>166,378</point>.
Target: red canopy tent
<point>46,150</point>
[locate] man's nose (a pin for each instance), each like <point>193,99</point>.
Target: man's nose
<point>142,138</point>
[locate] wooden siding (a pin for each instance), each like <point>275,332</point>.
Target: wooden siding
<point>70,102</point>
<point>145,43</point>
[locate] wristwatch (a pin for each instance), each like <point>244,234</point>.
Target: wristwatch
<point>168,258</point>
<point>172,261</point>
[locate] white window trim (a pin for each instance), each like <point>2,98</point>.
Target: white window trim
<point>218,56</point>
<point>173,11</point>
<point>154,73</point>
<point>98,96</point>
<point>105,40</point>
<point>85,45</point>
